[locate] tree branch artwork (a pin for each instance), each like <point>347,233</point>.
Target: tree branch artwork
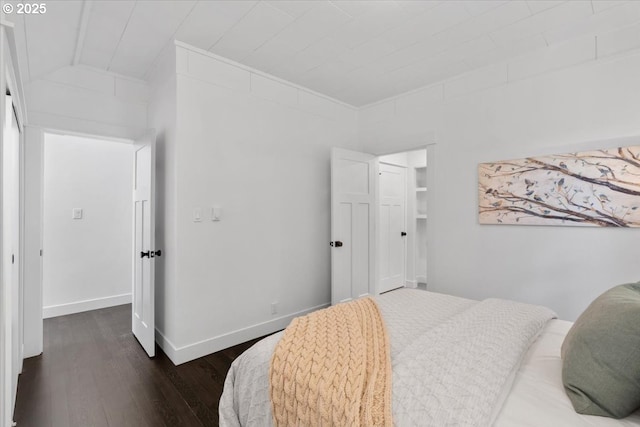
<point>591,188</point>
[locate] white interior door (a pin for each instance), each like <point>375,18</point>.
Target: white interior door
<point>352,224</point>
<point>392,227</point>
<point>11,238</point>
<point>144,254</point>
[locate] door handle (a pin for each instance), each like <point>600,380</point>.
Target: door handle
<point>150,254</point>
<point>336,244</point>
<point>403,233</point>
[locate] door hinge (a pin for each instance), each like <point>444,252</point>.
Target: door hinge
<point>13,259</point>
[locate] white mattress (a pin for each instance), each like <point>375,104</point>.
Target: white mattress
<point>537,397</point>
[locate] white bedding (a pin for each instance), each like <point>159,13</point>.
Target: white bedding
<point>536,398</point>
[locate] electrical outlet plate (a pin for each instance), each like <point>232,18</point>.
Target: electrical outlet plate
<point>197,214</point>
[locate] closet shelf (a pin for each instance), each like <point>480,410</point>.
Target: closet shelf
<point>421,216</point>
<point>421,189</point>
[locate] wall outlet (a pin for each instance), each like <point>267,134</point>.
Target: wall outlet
<point>76,213</point>
<point>274,307</point>
<point>197,214</point>
<point>216,213</point>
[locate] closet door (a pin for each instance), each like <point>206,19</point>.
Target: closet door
<point>392,233</point>
<point>353,189</point>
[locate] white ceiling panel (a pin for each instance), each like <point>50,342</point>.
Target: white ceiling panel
<point>51,37</point>
<point>313,56</point>
<point>426,73</point>
<point>431,22</point>
<point>297,36</point>
<point>610,19</point>
<point>368,52</point>
<point>358,51</point>
<point>413,7</point>
<point>568,13</point>
<point>602,5</point>
<point>382,16</point>
<point>329,74</point>
<point>494,19</point>
<point>538,6</point>
<point>209,20</point>
<point>505,52</point>
<point>295,8</point>
<point>476,8</point>
<point>353,7</point>
<point>253,30</point>
<point>107,22</point>
<point>151,26</point>
<point>422,50</point>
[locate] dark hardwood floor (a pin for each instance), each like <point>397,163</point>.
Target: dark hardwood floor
<point>93,372</point>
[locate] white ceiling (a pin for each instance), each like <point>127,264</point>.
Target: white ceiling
<point>355,51</point>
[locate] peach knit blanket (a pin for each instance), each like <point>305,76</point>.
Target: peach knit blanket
<point>333,368</point>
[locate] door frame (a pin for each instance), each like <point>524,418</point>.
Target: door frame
<point>37,314</point>
<point>431,148</point>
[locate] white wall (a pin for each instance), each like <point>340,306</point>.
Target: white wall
<point>89,101</point>
<point>87,262</point>
<point>259,148</point>
<point>575,100</point>
<point>162,117</point>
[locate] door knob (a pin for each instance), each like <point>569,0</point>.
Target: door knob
<point>336,244</point>
<point>158,253</point>
<point>145,254</point>
<point>403,233</point>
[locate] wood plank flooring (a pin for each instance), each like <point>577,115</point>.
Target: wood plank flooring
<point>93,372</point>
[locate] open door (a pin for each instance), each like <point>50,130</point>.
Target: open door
<point>392,232</point>
<point>144,253</point>
<point>12,248</point>
<point>353,190</point>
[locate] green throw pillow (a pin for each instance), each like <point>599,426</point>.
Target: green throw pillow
<point>601,355</point>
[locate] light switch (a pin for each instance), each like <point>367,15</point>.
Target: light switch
<point>216,213</point>
<point>197,214</point>
<point>76,213</point>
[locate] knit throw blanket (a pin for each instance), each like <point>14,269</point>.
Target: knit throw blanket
<point>333,368</point>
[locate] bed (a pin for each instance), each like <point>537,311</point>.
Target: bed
<point>529,392</point>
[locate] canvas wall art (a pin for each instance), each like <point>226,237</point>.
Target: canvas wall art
<point>592,188</point>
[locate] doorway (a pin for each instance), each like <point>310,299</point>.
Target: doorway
<point>99,227</point>
<point>402,232</point>
<point>378,221</point>
<point>87,224</point>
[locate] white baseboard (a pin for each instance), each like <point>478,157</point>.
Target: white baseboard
<point>411,284</point>
<point>80,306</point>
<point>187,353</point>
